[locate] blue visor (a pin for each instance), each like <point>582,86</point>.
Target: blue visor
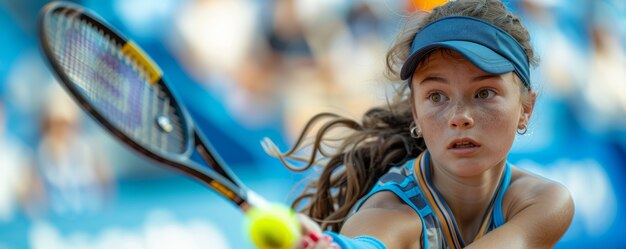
<point>488,47</point>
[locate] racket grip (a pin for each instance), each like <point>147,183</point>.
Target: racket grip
<point>274,226</point>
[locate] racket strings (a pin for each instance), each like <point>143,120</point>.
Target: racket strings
<point>114,83</point>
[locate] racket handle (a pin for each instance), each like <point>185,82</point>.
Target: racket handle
<point>274,226</point>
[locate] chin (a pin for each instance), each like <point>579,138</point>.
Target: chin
<point>467,166</point>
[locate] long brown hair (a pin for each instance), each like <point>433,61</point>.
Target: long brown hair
<point>381,140</point>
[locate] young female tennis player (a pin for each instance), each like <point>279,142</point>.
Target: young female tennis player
<point>430,169</point>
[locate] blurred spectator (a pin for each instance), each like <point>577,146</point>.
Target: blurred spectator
<point>347,43</point>
<point>562,67</point>
<point>563,60</point>
<point>285,33</point>
<point>27,78</point>
<point>220,47</point>
<point>74,176</point>
<point>14,159</point>
<point>604,93</point>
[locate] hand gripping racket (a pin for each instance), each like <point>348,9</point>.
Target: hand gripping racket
<point>113,80</point>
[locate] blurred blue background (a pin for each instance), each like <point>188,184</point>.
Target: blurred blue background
<point>249,69</point>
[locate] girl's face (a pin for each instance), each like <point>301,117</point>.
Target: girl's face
<point>468,117</point>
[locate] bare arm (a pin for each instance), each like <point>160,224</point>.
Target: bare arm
<point>386,218</point>
<point>538,220</point>
<point>383,216</point>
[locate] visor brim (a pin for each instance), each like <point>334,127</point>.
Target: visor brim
<point>481,56</point>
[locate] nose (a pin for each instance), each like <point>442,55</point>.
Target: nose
<point>461,116</point>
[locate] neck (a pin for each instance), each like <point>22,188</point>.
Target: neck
<point>467,197</point>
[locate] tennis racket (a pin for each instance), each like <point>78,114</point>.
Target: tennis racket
<point>114,81</point>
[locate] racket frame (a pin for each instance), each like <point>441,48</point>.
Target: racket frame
<point>224,181</point>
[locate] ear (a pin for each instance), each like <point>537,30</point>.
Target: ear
<point>528,104</point>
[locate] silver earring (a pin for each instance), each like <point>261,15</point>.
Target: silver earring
<point>523,130</point>
<point>414,132</point>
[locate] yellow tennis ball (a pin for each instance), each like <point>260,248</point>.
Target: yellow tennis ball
<point>273,227</point>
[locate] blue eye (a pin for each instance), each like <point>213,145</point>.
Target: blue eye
<point>485,94</point>
<point>437,97</point>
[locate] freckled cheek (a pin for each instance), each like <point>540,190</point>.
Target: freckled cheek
<point>498,123</point>
<point>489,119</point>
<point>433,123</point>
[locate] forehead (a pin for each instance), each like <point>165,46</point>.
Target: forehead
<point>443,58</point>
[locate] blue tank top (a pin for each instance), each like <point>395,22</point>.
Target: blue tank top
<point>412,183</point>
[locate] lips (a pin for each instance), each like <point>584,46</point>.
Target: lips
<point>463,147</point>
<point>463,143</point>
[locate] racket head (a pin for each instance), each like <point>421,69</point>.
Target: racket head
<point>119,86</point>
<point>115,82</point>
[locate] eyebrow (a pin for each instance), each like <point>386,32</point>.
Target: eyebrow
<point>434,78</point>
<point>485,77</point>
<point>437,78</point>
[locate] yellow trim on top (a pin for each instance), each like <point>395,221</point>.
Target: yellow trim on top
<point>222,189</point>
<point>134,52</point>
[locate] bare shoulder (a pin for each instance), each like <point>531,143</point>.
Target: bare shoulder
<point>527,189</point>
<point>538,202</point>
<point>385,217</point>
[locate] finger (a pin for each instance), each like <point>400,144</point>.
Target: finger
<point>324,242</point>
<point>314,237</point>
<point>308,241</point>
<point>304,243</point>
<point>310,228</point>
